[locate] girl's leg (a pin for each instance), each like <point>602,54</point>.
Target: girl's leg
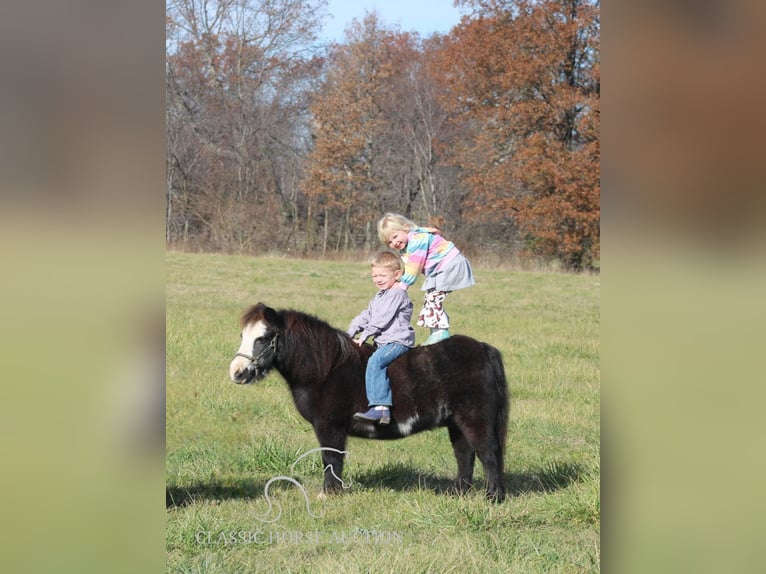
<point>433,314</point>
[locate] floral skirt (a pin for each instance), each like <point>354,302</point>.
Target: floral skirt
<point>458,275</point>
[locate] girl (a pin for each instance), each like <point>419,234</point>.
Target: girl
<point>424,250</point>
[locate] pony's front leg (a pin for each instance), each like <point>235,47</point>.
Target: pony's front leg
<point>333,443</point>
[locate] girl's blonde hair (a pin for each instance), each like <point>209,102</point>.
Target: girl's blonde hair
<point>391,222</point>
<point>387,260</point>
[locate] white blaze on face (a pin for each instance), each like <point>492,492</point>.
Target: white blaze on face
<point>249,334</point>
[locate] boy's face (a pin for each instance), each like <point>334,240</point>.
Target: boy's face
<point>397,240</point>
<point>384,278</point>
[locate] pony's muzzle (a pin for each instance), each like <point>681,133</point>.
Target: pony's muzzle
<point>242,371</point>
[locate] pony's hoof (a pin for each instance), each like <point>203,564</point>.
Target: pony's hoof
<point>496,497</point>
<point>322,495</point>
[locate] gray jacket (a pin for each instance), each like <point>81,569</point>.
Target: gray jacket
<point>387,318</point>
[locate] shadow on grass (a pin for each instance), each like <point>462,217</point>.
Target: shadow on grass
<point>400,477</point>
<point>394,476</point>
<point>555,476</point>
<point>179,496</point>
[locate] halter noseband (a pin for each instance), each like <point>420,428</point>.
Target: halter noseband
<point>272,346</point>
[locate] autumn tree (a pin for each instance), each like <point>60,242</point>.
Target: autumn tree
<point>375,121</point>
<point>522,80</point>
<point>491,131</point>
<point>237,77</point>
<point>348,123</point>
<point>435,193</point>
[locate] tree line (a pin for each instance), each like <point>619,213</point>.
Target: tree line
<point>276,142</point>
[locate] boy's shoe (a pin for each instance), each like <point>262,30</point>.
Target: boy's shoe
<point>381,416</point>
<point>436,336</point>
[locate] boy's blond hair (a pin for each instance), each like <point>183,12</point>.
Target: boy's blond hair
<point>387,260</point>
<point>391,222</point>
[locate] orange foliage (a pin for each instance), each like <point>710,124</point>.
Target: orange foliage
<point>522,81</point>
<point>491,128</point>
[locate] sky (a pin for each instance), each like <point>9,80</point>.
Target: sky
<point>423,16</point>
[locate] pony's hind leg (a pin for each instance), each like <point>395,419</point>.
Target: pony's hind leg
<point>465,456</point>
<point>490,454</point>
<point>483,441</point>
<point>492,461</point>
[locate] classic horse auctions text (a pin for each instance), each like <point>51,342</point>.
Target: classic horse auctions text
<point>297,537</point>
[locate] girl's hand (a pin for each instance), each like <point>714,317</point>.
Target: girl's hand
<point>402,285</point>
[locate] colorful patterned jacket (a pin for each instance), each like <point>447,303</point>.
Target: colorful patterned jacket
<point>426,252</point>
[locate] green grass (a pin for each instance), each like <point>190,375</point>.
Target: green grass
<point>225,442</point>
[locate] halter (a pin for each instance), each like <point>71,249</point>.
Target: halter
<point>272,346</point>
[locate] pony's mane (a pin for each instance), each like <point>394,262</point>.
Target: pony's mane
<point>313,334</point>
<point>318,333</point>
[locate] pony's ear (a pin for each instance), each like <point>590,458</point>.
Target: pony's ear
<point>271,316</point>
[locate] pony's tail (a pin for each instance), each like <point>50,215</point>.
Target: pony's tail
<point>501,420</point>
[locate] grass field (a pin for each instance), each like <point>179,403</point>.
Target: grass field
<point>225,442</point>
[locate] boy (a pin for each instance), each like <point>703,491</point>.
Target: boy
<point>387,319</point>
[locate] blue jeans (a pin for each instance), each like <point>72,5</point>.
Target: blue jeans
<point>376,378</point>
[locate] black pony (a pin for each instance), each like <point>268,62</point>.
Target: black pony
<point>458,383</point>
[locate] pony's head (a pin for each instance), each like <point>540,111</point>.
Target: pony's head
<point>258,350</point>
